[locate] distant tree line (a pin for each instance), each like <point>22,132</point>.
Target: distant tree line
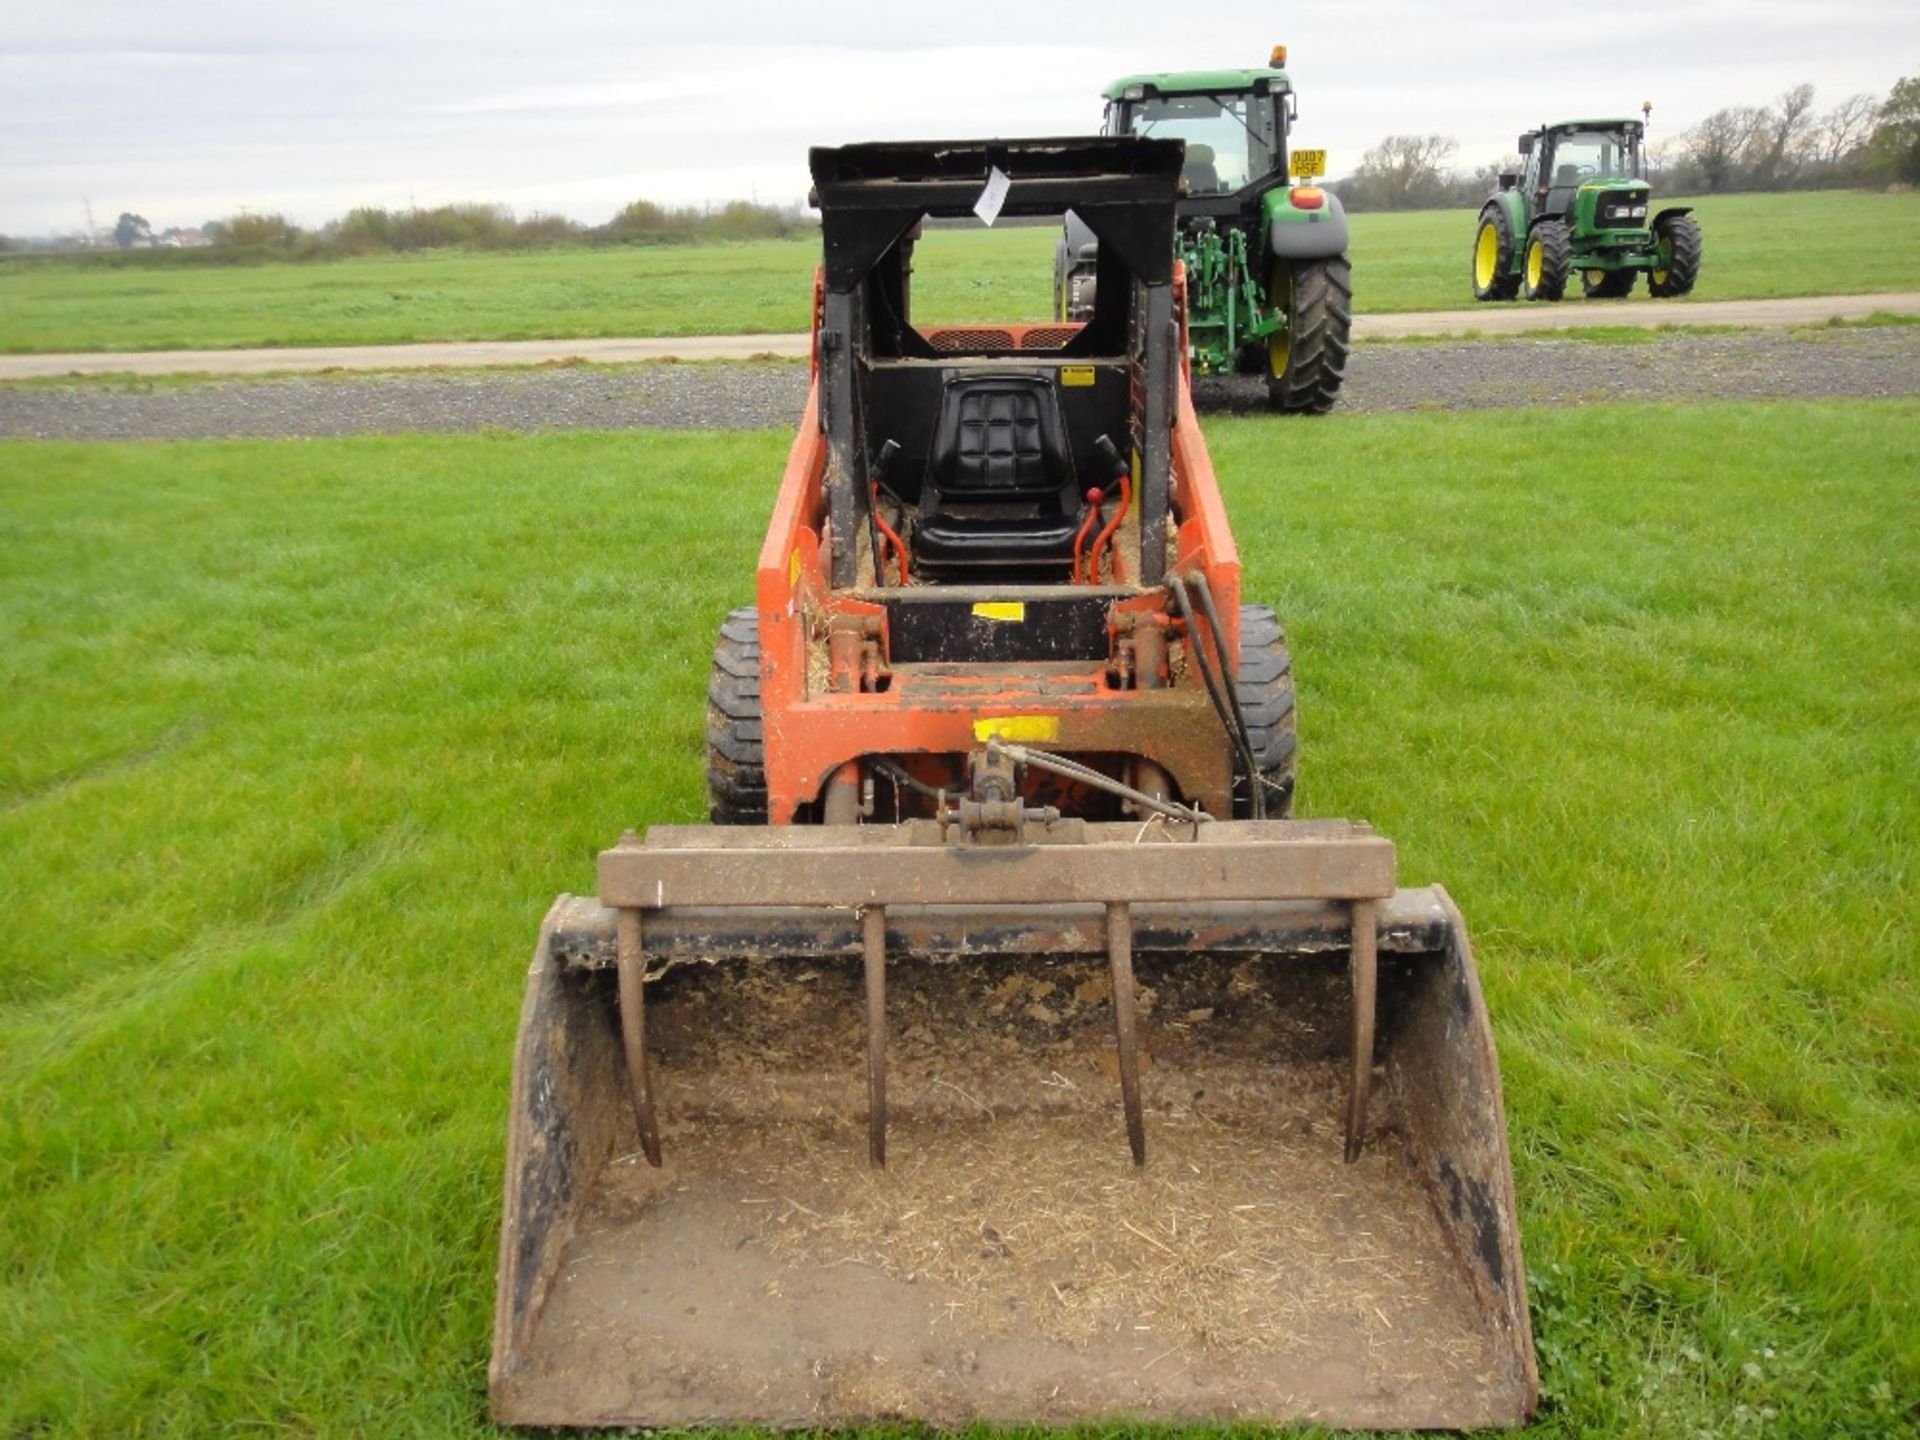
<point>1787,145</point>
<point>370,230</point>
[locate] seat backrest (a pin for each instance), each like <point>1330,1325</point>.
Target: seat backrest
<point>1199,170</point>
<point>999,437</point>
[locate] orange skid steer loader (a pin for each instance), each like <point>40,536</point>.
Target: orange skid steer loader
<point>1002,1051</point>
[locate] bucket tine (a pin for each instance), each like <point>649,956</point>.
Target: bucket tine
<point>1366,966</point>
<point>1120,961</point>
<point>873,934</point>
<point>632,963</point>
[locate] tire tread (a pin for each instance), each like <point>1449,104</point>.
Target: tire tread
<point>1264,688</point>
<point>736,740</point>
<point>1322,329</point>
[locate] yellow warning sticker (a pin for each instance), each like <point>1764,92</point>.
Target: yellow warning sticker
<point>793,567</point>
<point>1013,610</point>
<point>1076,375</point>
<point>1017,728</point>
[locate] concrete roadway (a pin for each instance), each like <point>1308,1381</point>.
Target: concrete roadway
<point>1490,320</point>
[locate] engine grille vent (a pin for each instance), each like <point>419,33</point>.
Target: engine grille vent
<point>1621,210</point>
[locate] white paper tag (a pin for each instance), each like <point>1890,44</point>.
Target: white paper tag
<point>987,207</point>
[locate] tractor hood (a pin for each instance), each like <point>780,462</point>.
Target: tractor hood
<point>1612,204</point>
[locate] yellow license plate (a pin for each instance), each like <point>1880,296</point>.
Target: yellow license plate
<point>1308,164</point>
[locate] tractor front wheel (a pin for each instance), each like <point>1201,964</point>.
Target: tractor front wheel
<point>1307,358</point>
<point>1264,689</point>
<point>1493,277</point>
<point>736,747</point>
<point>1607,284</point>
<point>1549,261</point>
<point>1677,248</point>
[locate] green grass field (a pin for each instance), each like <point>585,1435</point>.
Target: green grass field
<point>301,737</point>
<point>1757,246</point>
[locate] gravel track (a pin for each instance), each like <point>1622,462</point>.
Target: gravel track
<point>1467,375</point>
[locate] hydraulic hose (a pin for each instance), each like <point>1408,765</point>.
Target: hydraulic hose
<point>1256,785</point>
<point>1228,714</point>
<point>893,539</point>
<point>1107,535</point>
<point>1086,528</point>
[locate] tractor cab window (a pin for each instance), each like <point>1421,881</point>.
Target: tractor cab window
<point>1583,155</point>
<point>1230,138</point>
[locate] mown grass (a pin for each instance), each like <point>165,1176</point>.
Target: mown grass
<point>301,737</point>
<point>1758,246</point>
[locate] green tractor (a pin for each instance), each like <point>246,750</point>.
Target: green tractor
<point>1268,288</point>
<point>1582,204</point>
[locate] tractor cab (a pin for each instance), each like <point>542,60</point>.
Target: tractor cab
<point>1233,122</point>
<point>1268,287</point>
<point>1587,169</point>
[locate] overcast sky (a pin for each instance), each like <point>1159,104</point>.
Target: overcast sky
<point>187,110</point>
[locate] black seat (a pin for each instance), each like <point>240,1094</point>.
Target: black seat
<point>1560,194</point>
<point>999,491</point>
<point>1199,171</point>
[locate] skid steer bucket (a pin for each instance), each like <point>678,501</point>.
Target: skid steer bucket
<point>826,1125</point>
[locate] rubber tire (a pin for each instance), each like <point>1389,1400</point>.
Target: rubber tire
<point>1265,691</point>
<point>736,753</point>
<point>1505,284</point>
<point>1612,284</point>
<point>1683,265</point>
<point>1319,332</point>
<point>1556,261</point>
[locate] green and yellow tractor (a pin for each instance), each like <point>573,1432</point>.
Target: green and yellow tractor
<point>1268,287</point>
<point>1582,203</point>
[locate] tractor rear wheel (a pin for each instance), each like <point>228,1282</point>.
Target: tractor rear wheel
<point>1307,360</point>
<point>1549,261</point>
<point>1607,284</point>
<point>1677,248</point>
<point>1493,277</point>
<point>736,753</point>
<point>1265,691</point>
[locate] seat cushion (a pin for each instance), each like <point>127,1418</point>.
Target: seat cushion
<point>993,540</point>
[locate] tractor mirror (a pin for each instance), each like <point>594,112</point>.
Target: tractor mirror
<point>1509,179</point>
<point>1526,144</point>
